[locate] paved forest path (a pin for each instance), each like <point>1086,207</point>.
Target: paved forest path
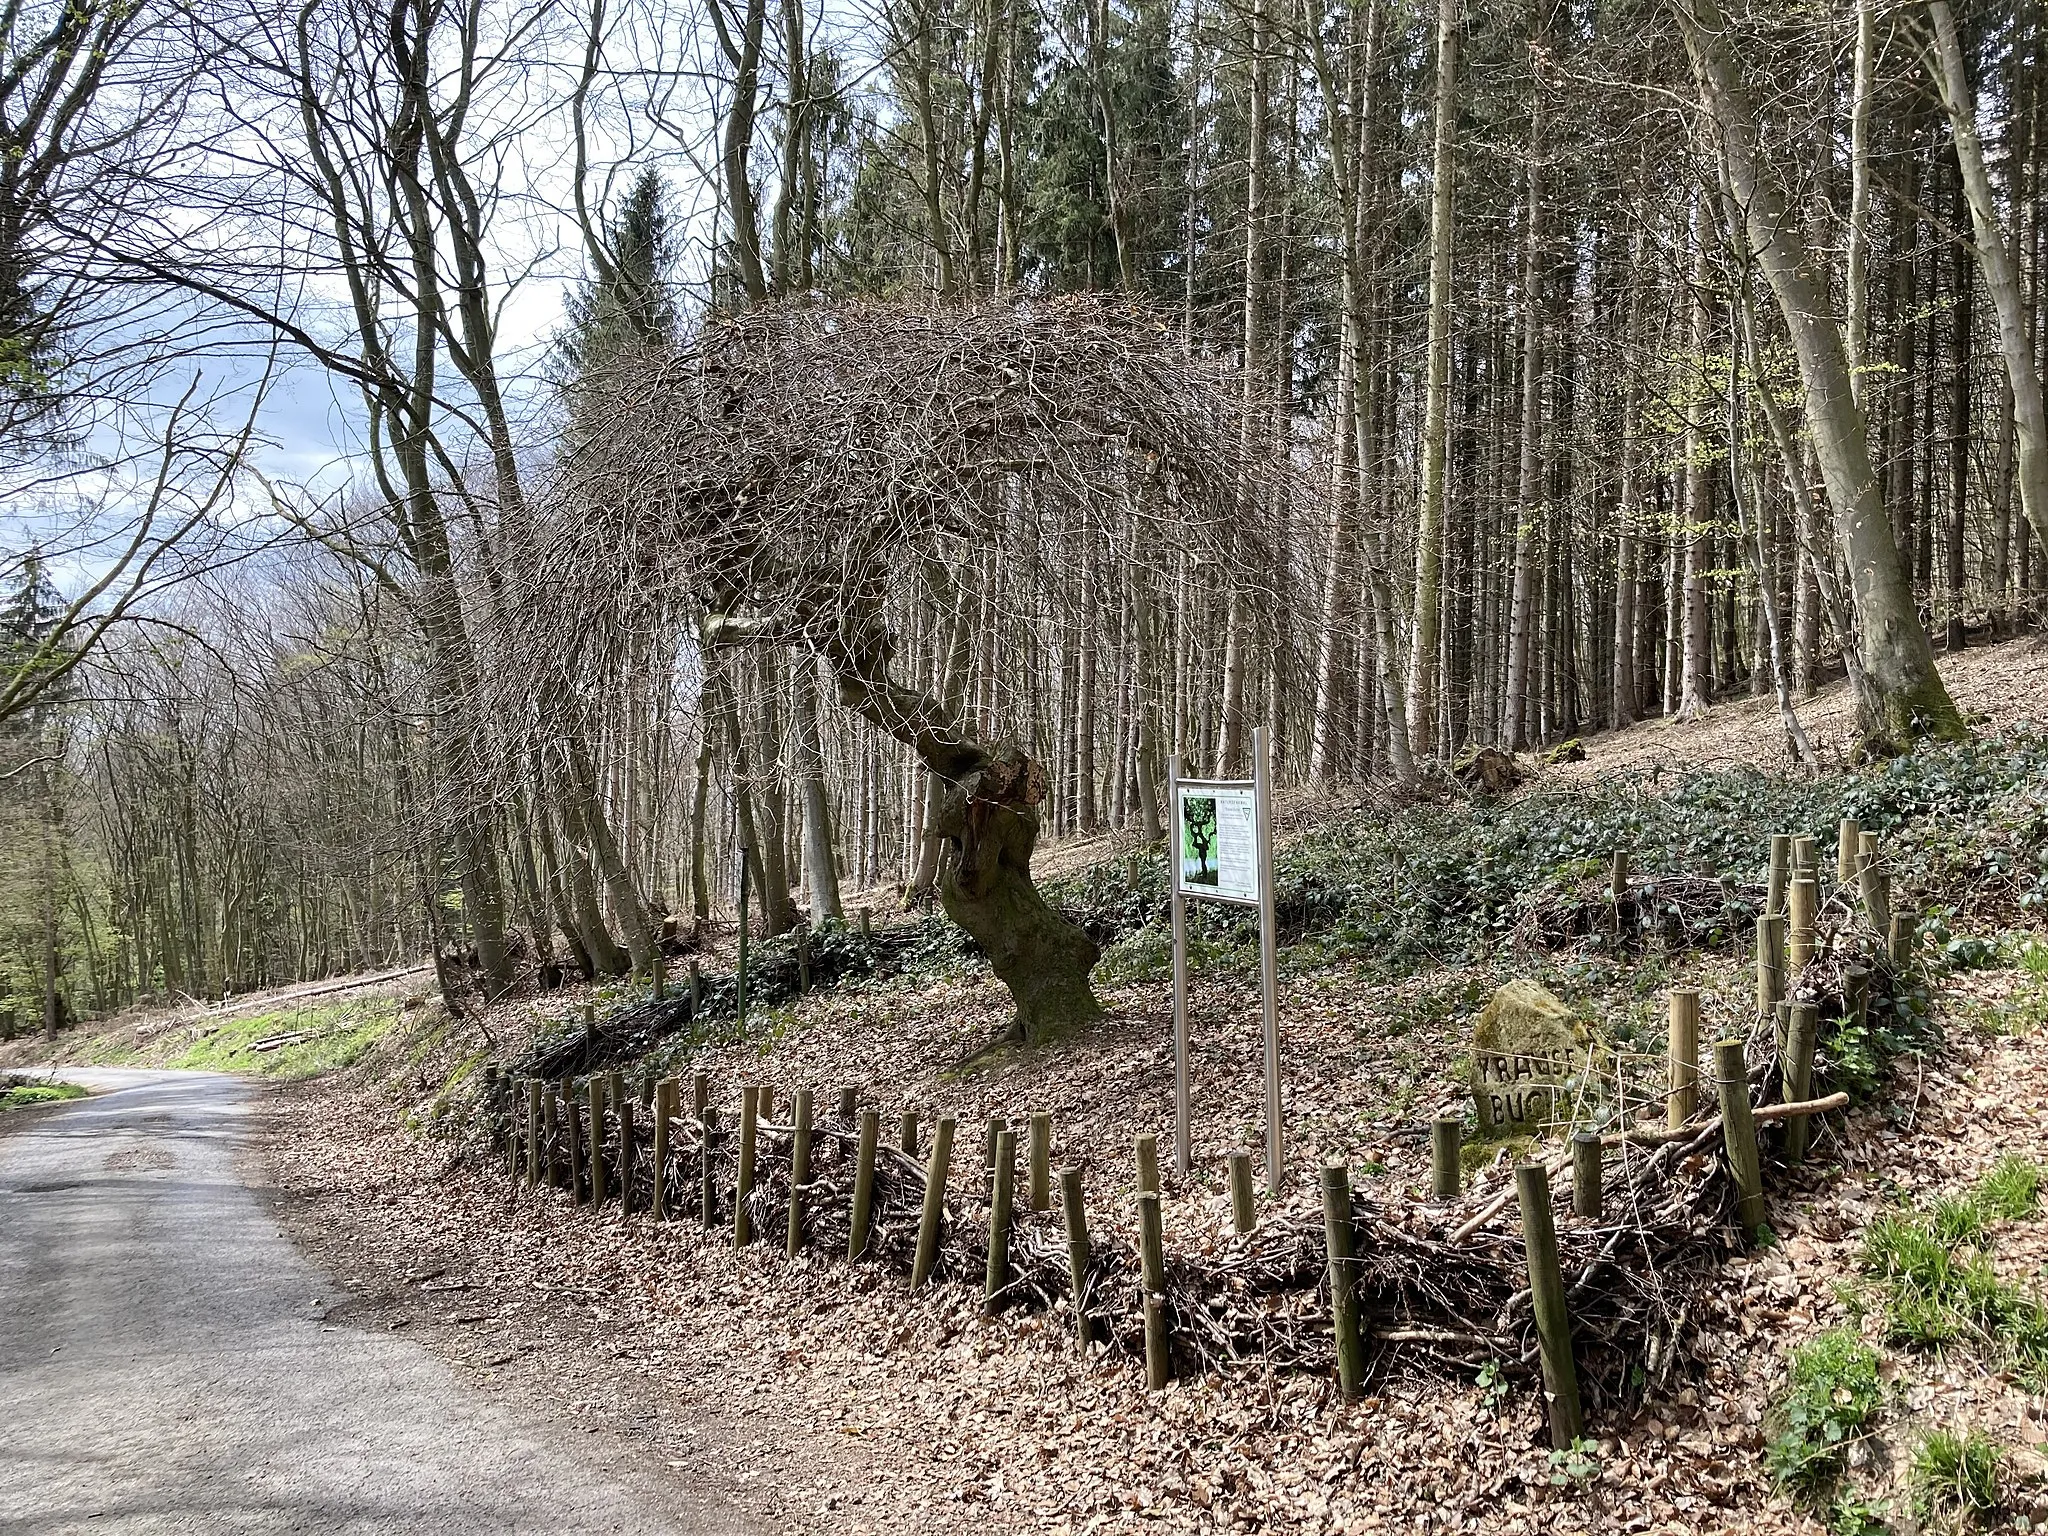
<point>165,1364</point>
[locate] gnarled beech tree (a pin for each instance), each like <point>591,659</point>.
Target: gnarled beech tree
<point>787,470</point>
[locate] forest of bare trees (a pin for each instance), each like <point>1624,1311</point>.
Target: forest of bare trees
<point>877,438</point>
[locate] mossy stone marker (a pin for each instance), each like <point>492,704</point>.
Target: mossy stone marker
<point>1528,1049</point>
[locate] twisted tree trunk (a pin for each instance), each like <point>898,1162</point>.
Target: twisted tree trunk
<point>987,822</point>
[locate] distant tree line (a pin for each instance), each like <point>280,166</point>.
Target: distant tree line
<point>1625,359</point>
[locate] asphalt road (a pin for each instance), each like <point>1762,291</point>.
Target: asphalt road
<point>164,1365</point>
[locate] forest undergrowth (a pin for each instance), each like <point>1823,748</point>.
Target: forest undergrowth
<point>894,1412</point>
<point>1877,1362</point>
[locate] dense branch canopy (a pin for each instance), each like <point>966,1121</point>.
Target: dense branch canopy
<point>778,478</point>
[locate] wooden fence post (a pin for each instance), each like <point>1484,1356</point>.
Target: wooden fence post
<point>707,1123</point>
<point>863,1183</point>
<point>799,1170</point>
<point>1770,962</point>
<point>1874,885</point>
<point>550,1122</point>
<point>1076,1214</point>
<point>1848,850</point>
<point>1905,928</point>
<point>1682,1057</point>
<point>1040,1190</point>
<point>1617,876</point>
<point>1152,1264</point>
<point>906,1132</point>
<point>991,1134</point>
<point>1780,872</point>
<point>1546,1296</point>
<point>934,1213</point>
<point>626,1151</point>
<point>1148,1162</point>
<point>1586,1175</point>
<point>1805,905</point>
<point>560,1111</point>
<point>596,1154</point>
<point>1799,1042</point>
<point>849,1105</point>
<point>1446,1176</point>
<point>1339,1244</point>
<point>696,989</point>
<point>572,1127</point>
<point>665,1094</point>
<point>1855,996</point>
<point>1738,1131</point>
<point>743,1182</point>
<point>532,1098</point>
<point>1001,1197</point>
<point>1805,857</point>
<point>1243,1214</point>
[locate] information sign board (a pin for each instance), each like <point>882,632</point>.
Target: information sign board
<point>1221,849</point>
<point>1216,829</point>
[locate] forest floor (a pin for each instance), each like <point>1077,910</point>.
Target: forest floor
<point>822,1396</point>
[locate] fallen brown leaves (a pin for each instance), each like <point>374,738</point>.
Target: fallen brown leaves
<point>817,1394</point>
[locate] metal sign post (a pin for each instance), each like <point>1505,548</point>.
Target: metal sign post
<point>740,971</point>
<point>1222,850</point>
<point>1183,1131</point>
<point>1269,954</point>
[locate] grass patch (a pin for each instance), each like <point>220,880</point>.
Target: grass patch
<point>298,1042</point>
<point>2011,1191</point>
<point>1833,1394</point>
<point>1939,1289</point>
<point>23,1095</point>
<point>1956,1476</point>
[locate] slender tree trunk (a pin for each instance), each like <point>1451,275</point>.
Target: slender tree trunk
<point>1905,698</point>
<point>1422,653</point>
<point>1529,492</point>
<point>1857,283</point>
<point>1695,692</point>
<point>1237,624</point>
<point>1998,259</point>
<point>821,868</point>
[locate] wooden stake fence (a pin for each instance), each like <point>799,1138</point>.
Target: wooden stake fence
<point>538,1119</point>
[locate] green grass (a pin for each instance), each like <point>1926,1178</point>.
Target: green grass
<point>1957,1221</point>
<point>1956,1476</point>
<point>336,1035</point>
<point>26,1094</point>
<point>1938,1285</point>
<point>1832,1395</point>
<point>2011,1191</point>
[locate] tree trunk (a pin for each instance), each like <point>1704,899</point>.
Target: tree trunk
<point>1905,699</point>
<point>1422,659</point>
<point>1694,691</point>
<point>1529,483</point>
<point>821,869</point>
<point>1999,261</point>
<point>988,820</point>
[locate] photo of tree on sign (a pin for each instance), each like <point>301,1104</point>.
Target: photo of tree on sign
<point>1198,840</point>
